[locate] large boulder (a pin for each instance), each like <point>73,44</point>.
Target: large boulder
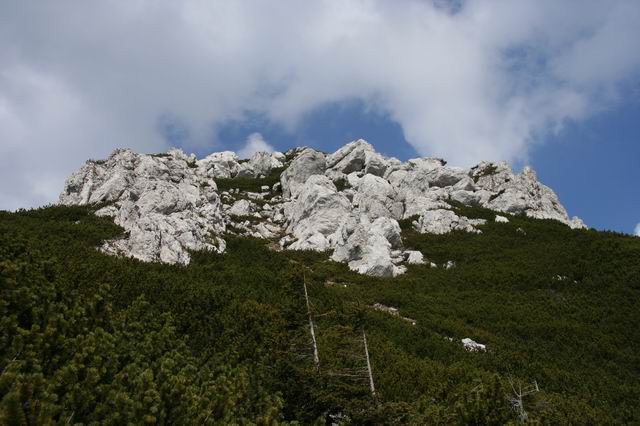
<point>367,246</point>
<point>315,214</point>
<point>376,197</point>
<point>441,221</point>
<point>357,156</point>
<point>219,165</point>
<point>446,176</point>
<point>263,163</point>
<point>413,191</point>
<point>241,208</point>
<point>307,163</point>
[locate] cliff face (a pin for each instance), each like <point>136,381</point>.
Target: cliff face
<point>348,202</point>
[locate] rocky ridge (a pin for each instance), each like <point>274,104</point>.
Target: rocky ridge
<point>348,203</point>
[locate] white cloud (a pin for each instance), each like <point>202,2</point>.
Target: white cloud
<point>484,80</point>
<point>255,143</point>
<point>636,231</point>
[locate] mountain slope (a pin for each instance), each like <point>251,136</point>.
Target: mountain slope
<point>91,337</point>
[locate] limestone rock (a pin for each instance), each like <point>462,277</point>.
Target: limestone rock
<point>309,162</point>
<point>241,208</point>
<point>263,162</point>
<point>412,189</point>
<point>521,193</point>
<point>377,198</point>
<point>316,213</point>
<point>356,156</point>
<point>169,204</point>
<point>501,219</point>
<point>577,223</point>
<point>473,346</point>
<point>427,163</point>
<point>446,176</point>
<point>219,165</point>
<point>245,170</point>
<point>163,204</point>
<point>366,247</point>
<point>414,257</point>
<point>443,221</point>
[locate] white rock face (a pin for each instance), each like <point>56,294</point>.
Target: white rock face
<point>414,257</point>
<point>219,165</point>
<point>316,214</point>
<point>377,198</point>
<point>309,162</point>
<point>501,219</point>
<point>520,193</point>
<point>357,156</point>
<point>443,221</point>
<point>166,207</point>
<point>473,346</point>
<point>241,208</point>
<point>169,203</point>
<point>366,246</point>
<point>441,177</point>
<point>263,163</point>
<point>413,191</point>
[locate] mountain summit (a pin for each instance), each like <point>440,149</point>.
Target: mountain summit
<point>348,202</point>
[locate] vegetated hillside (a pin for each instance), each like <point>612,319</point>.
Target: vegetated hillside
<point>86,337</point>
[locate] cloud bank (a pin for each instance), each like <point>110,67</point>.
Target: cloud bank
<point>465,80</point>
<point>636,231</point>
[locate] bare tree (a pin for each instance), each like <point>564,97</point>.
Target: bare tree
<point>366,353</point>
<point>516,397</point>
<point>316,357</point>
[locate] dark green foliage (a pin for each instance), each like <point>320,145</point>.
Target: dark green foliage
<point>86,337</point>
<point>488,171</point>
<point>342,184</point>
<point>249,184</point>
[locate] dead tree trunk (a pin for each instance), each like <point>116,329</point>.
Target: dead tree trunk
<point>366,353</point>
<point>516,399</point>
<point>316,358</point>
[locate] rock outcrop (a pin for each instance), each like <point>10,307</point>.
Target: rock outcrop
<point>367,246</point>
<point>165,207</point>
<point>347,203</point>
<point>358,156</point>
<point>441,221</point>
<point>315,215</point>
<point>307,163</point>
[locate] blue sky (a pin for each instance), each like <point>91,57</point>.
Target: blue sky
<point>593,166</point>
<point>528,81</point>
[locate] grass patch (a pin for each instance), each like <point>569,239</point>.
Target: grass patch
<point>249,184</point>
<point>487,171</point>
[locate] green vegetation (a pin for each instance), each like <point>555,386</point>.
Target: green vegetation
<point>488,171</point>
<point>249,184</point>
<point>342,184</point>
<point>89,338</point>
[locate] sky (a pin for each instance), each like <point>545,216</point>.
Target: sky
<point>547,83</point>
